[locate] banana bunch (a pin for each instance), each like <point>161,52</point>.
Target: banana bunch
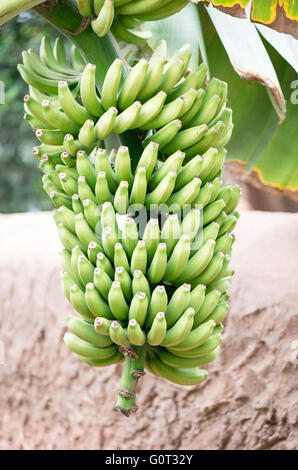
<point>152,290</point>
<point>147,250</point>
<point>166,102</point>
<point>122,16</point>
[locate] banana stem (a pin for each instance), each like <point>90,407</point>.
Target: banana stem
<point>102,52</point>
<point>133,369</point>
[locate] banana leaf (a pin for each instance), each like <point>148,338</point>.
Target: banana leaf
<point>281,15</point>
<point>259,142</point>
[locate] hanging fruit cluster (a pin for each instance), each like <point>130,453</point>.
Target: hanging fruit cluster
<point>147,243</point>
<point>123,16</point>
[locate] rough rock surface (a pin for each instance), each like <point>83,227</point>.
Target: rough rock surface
<point>50,400</point>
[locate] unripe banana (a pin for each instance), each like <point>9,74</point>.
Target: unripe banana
<point>120,257</point>
<point>211,271</point>
<point>108,216</point>
<point>159,301</point>
<point>152,110</point>
<point>172,75</point>
<point>217,184</point>
<point>85,168</point>
<point>228,225</point>
<point>67,218</point>
<point>224,243</point>
<point>138,308</point>
<point>206,348</point>
<point>88,91</point>
<point>210,302</point>
<point>196,337</point>
<point>152,78</point>
<point>219,313</point>
<point>117,302</point>
<point>158,330</point>
<point>177,333</point>
<point>121,198</point>
<point>185,195</point>
<point>178,304</point>
<point>188,171</point>
<point>109,238</point>
<point>207,111</point>
<point>68,239</point>
<point>84,349</point>
<point>102,325</point>
<point>151,237</point>
<point>140,284</point>
<point>167,113</point>
<point>139,187</point>
<point>218,163</point>
<point>158,264</point>
<point>197,297</point>
<point>105,124</point>
<point>78,302</point>
<point>101,163</point>
<point>102,190</point>
<point>84,190</point>
<point>132,84</point>
<point>186,138</point>
<point>198,262</point>
<point>70,106</point>
<point>111,84</point>
<point>84,232</point>
<point>86,332</point>
<point>190,82</point>
<point>127,119</point>
<point>85,269</point>
<point>222,285</point>
<point>170,233</point>
<point>178,259</point>
<point>93,250</point>
<point>204,195</point>
<point>165,134</point>
<point>234,199</point>
<point>129,234</point>
<point>129,35</point>
<point>212,211</point>
<point>58,119</point>
<point>71,145</point>
<point>188,116</point>
<point>115,359</point>
<point>148,159</point>
<point>139,258</point>
<point>173,163</point>
<point>179,376</point>
<point>162,191</point>
<point>102,282</point>
<point>135,334</point>
<point>96,303</point>
<point>118,335</point>
<point>104,263</point>
<point>66,282</point>
<point>74,259</point>
<point>122,276</point>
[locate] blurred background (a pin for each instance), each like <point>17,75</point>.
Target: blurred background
<point>20,178</point>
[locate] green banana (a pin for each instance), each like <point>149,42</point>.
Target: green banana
<point>158,330</point>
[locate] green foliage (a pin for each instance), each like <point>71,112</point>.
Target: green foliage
<point>20,183</point>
